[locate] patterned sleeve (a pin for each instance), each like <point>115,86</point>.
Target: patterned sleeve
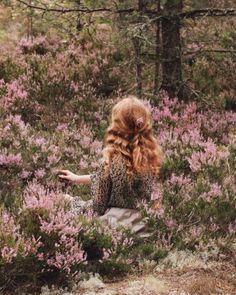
<point>100,189</point>
<point>150,182</point>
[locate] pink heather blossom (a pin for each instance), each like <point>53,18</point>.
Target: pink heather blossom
<point>10,160</point>
<point>232,227</point>
<point>8,225</point>
<point>10,231</point>
<point>74,86</point>
<point>223,154</point>
<point>85,142</point>
<point>89,214</point>
<point>37,107</point>
<point>66,260</point>
<point>195,231</point>
<point>32,245</point>
<point>29,43</point>
<point>8,253</point>
<point>96,146</point>
<point>40,141</point>
<point>59,221</point>
<point>229,182</point>
<point>40,256</point>
<point>35,158</point>
<point>36,196</point>
<point>25,174</point>
<point>53,159</point>
<point>155,210</point>
<point>157,193</point>
<point>70,152</point>
<point>83,164</point>
<point>14,91</point>
<point>17,120</point>
<point>180,180</point>
<point>192,138</point>
<point>171,223</point>
<point>40,173</point>
<point>62,127</point>
<point>97,116</point>
<point>215,190</point>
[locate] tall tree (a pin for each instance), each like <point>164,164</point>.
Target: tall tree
<point>171,49</point>
<point>158,47</point>
<point>137,43</point>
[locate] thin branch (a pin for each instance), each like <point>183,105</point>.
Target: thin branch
<point>82,10</point>
<point>207,12</point>
<point>217,50</point>
<point>214,12</point>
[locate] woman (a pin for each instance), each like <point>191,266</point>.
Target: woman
<point>129,168</point>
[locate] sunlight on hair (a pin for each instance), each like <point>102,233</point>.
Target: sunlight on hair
<point>130,134</point>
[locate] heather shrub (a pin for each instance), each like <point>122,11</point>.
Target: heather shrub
<point>195,200</point>
<point>45,237</point>
<point>27,154</point>
<point>63,78</point>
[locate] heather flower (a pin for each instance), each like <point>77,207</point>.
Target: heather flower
<point>53,159</point>
<point>97,116</point>
<point>74,86</point>
<point>40,173</point>
<point>62,127</point>
<point>8,253</point>
<point>40,141</point>
<point>85,141</point>
<point>179,181</point>
<point>82,163</point>
<point>232,227</point>
<point>25,174</point>
<point>171,223</point>
<point>10,160</point>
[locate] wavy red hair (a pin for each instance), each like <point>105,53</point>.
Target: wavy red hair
<point>130,134</point>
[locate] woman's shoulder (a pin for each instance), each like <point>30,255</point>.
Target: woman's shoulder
<point>118,164</point>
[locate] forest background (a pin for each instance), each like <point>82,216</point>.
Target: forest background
<point>63,65</point>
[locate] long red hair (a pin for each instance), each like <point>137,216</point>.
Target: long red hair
<point>130,134</point>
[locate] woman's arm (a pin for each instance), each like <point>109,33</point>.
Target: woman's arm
<point>84,179</point>
<point>77,179</point>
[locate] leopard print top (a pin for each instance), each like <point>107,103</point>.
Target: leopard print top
<point>114,189</point>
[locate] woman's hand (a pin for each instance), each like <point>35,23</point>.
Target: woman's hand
<point>68,175</point>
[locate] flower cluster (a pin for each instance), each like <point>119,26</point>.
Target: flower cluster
<point>196,198</point>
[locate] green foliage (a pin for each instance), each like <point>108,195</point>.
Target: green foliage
<point>9,70</point>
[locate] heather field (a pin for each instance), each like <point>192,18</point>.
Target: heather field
<point>56,94</point>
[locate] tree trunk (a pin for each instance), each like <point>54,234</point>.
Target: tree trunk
<point>138,65</point>
<point>171,50</point>
<point>137,43</point>
<point>158,48</point>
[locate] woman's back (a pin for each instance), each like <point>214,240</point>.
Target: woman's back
<point>116,188</point>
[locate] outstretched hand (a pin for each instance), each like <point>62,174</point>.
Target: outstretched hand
<point>67,175</point>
